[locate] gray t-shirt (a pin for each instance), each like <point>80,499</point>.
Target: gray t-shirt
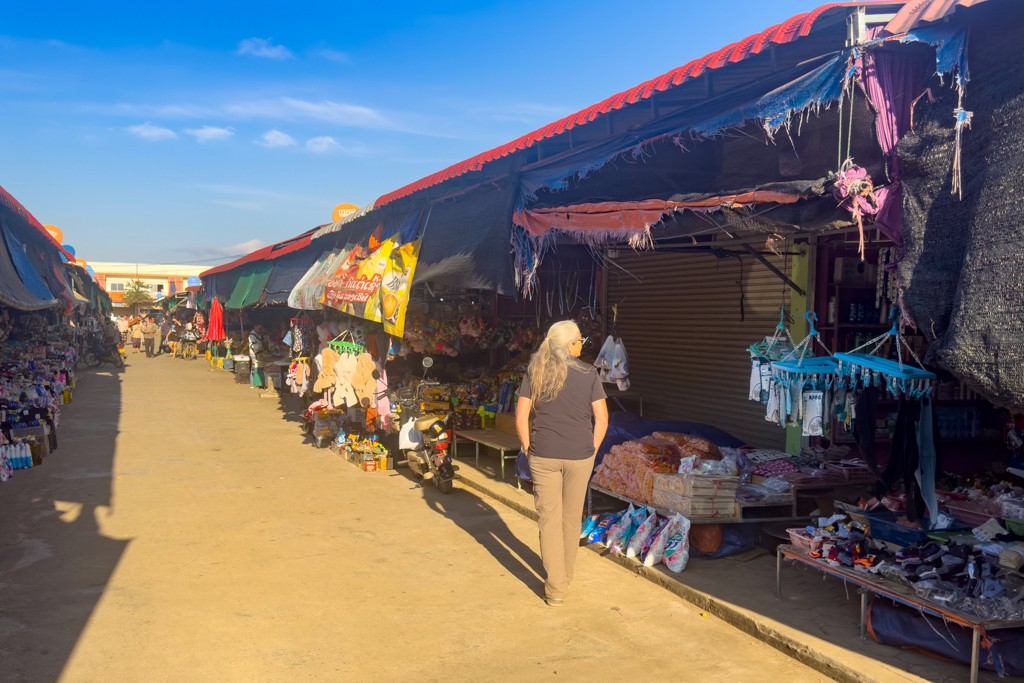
<point>563,427</point>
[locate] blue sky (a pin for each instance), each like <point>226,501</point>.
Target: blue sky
<point>184,132</point>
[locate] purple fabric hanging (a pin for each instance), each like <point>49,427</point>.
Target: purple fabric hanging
<point>892,81</point>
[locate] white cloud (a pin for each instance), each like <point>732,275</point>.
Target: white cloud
<point>235,204</point>
<point>322,145</point>
<point>275,138</point>
<point>335,56</point>
<point>264,48</point>
<point>210,252</point>
<point>208,133</point>
<point>147,131</point>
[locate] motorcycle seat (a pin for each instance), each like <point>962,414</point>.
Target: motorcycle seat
<point>423,423</point>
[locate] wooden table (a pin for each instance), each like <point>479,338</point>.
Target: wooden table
<point>872,583</point>
<point>497,439</point>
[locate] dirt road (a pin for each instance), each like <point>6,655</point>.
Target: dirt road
<point>184,531</point>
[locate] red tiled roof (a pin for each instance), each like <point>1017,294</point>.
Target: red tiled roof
<point>919,11</point>
<point>786,32</point>
<point>266,253</point>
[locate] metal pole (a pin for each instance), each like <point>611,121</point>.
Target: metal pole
<point>863,613</point>
<point>778,574</point>
<point>975,647</point>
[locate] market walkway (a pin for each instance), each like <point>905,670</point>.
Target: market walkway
<point>184,532</point>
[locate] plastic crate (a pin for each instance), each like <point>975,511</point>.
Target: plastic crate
<point>886,528</point>
<point>803,542</point>
<point>967,514</point>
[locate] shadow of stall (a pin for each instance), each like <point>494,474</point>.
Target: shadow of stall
<point>55,563</point>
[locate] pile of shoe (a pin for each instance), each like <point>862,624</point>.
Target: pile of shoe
<point>961,576</point>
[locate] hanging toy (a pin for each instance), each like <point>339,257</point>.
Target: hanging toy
<point>871,370</point>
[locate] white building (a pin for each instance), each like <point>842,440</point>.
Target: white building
<point>162,279</point>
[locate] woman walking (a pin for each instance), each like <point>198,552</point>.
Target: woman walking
<point>569,422</point>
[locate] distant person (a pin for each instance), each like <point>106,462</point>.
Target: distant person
<point>136,332</point>
<point>563,394</point>
<point>257,349</point>
<point>122,327</point>
<point>173,336</point>
<point>149,333</point>
<point>165,331</point>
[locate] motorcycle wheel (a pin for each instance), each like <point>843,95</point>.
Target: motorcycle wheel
<point>189,352</point>
<point>444,485</point>
<point>91,359</point>
<point>118,360</point>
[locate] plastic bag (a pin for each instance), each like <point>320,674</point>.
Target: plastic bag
<point>604,358</point>
<point>656,553</point>
<point>677,548</point>
<point>616,530</point>
<point>686,465</point>
<point>600,532</point>
<point>647,550</point>
<point>643,532</point>
<point>590,523</point>
<point>629,528</point>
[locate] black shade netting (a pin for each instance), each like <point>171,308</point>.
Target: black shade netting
<point>963,272</point>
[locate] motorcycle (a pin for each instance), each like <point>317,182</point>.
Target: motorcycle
<point>97,353</point>
<point>423,438</point>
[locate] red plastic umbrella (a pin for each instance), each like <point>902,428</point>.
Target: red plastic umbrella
<point>215,332</point>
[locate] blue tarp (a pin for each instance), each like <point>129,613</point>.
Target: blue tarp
<point>788,92</point>
<point>623,427</point>
<point>29,275</point>
<point>287,272</point>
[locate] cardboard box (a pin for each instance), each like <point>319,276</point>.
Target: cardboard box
<point>368,466</point>
<point>505,422</point>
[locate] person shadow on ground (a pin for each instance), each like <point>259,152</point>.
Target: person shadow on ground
<point>467,510</point>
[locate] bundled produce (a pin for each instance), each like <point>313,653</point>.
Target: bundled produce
<point>629,468</point>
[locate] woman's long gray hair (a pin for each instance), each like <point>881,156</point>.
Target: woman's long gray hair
<point>550,363</point>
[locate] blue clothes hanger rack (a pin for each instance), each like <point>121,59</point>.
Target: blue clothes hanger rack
<point>774,347</point>
<point>868,369</point>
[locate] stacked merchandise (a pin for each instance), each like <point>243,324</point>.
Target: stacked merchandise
<point>36,378</point>
<point>972,571</point>
<point>696,496</point>
<point>629,469</point>
<point>366,453</point>
<point>643,534</point>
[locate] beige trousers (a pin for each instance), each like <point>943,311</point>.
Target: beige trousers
<point>559,490</point>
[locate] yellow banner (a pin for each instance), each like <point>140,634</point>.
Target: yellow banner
<point>377,288</point>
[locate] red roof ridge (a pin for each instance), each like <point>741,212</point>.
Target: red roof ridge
<point>795,27</point>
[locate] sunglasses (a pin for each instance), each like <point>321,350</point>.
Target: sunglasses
<point>583,340</point>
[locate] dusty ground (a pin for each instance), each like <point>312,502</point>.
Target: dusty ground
<point>185,532</point>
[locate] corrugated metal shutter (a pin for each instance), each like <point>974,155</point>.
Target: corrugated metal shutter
<point>685,340</point>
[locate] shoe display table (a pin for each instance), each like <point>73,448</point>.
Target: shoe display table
<point>868,584</point>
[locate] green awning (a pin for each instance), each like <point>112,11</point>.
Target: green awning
<point>247,289</point>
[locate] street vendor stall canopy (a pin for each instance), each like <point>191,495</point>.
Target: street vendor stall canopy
<point>32,275</point>
<point>243,282</point>
<point>775,78</point>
